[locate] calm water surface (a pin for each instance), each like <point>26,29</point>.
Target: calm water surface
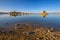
<point>51,20</point>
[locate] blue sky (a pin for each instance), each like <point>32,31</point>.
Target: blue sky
<point>30,5</point>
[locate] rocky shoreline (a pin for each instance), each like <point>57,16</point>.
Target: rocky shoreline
<point>29,32</point>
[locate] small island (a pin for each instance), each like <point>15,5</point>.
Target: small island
<point>15,13</point>
<point>44,13</point>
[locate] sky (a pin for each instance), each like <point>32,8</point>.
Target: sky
<point>30,5</point>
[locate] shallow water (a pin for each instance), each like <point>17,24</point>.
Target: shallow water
<point>51,20</point>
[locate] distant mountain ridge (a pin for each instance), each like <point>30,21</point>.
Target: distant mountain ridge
<point>4,13</point>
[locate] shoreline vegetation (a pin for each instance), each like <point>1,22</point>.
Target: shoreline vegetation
<point>29,32</point>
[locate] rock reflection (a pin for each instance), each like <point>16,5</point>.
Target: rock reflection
<point>16,13</point>
<point>44,14</point>
<point>19,13</point>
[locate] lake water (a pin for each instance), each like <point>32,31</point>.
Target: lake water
<point>51,20</point>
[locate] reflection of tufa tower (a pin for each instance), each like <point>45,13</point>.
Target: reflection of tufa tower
<point>44,13</point>
<point>13,13</point>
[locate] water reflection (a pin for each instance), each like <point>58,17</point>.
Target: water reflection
<point>44,14</point>
<point>19,14</point>
<point>52,20</point>
<point>15,13</point>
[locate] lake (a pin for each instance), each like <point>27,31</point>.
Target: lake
<point>51,20</point>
